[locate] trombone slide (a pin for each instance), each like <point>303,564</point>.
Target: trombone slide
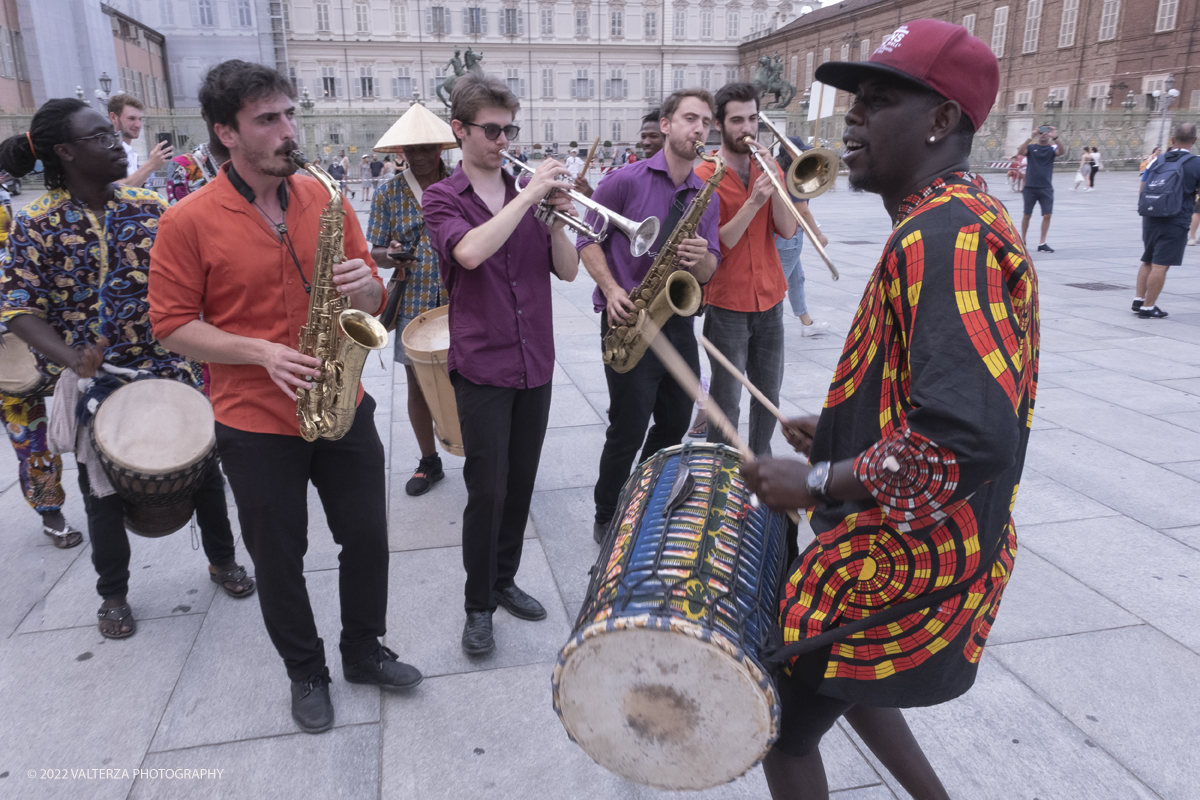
<point>769,171</point>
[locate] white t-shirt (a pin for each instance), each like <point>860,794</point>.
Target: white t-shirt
<point>574,166</point>
<point>132,155</point>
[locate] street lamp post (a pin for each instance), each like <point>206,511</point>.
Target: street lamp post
<point>1129,104</point>
<point>306,108</point>
<point>1165,99</point>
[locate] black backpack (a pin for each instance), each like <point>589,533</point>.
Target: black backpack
<point>1162,196</point>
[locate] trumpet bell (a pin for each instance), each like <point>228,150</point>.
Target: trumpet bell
<point>644,237</point>
<point>813,173</point>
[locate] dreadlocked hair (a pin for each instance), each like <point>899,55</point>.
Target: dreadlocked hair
<point>51,126</point>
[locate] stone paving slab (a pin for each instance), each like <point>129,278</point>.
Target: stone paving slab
<point>1130,693</point>
<point>1145,572</point>
<point>1037,585</point>
<point>425,598</point>
<point>74,700</point>
<point>234,685</point>
<point>342,763</point>
<point>1001,741</point>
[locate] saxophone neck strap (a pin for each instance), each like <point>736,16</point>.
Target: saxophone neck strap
<point>677,208</point>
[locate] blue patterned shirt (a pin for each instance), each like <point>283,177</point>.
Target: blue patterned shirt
<point>87,275</point>
<point>395,214</point>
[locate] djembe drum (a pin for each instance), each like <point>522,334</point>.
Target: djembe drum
<point>156,440</point>
<point>660,682</point>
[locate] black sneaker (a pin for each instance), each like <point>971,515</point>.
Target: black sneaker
<point>311,707</point>
<point>1151,312</point>
<point>1137,306</point>
<point>1045,248</point>
<point>383,668</point>
<point>598,531</point>
<point>429,471</point>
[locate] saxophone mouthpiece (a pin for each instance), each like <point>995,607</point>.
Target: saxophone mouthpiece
<point>298,158</point>
<point>699,148</point>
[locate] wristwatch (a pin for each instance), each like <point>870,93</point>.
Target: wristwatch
<point>817,482</point>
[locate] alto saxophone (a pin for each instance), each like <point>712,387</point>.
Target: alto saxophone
<point>338,335</point>
<point>665,290</point>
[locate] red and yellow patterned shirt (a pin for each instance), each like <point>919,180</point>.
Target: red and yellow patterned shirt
<point>933,396</point>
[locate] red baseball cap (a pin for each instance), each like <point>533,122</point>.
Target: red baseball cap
<point>933,54</point>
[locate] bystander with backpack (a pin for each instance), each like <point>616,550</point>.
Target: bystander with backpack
<point>1168,196</point>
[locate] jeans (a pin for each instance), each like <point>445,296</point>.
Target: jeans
<point>110,542</point>
<point>502,431</point>
<point>753,342</point>
<point>646,391</point>
<point>270,473</point>
<point>793,270</point>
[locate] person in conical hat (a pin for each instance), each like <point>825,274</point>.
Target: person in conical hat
<point>396,231</point>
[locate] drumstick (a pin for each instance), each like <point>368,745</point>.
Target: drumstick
<point>720,358</point>
<point>687,379</point>
<point>587,163</point>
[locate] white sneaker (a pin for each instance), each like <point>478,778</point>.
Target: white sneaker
<point>1191,242</point>
<point>813,330</point>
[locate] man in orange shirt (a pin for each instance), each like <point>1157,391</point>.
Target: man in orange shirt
<point>238,300</point>
<point>745,296</point>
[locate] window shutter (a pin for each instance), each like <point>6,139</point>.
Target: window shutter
<point>591,87</point>
<point>466,20</point>
<point>483,20</point>
<point>195,14</point>
<point>428,19</point>
<point>395,87</point>
<point>575,88</point>
<point>338,90</point>
<point>520,23</point>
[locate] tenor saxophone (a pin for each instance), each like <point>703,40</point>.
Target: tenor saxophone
<point>338,335</point>
<point>665,290</point>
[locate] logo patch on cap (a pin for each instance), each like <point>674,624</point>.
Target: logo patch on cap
<point>893,41</point>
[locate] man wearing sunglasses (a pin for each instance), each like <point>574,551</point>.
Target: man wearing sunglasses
<point>496,258</point>
<point>74,288</point>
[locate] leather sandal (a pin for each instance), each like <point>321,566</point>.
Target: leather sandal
<point>237,575</point>
<point>67,538</point>
<point>122,615</point>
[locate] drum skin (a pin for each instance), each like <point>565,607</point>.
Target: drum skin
<point>660,681</point>
<point>156,440</point>
<point>19,374</point>
<point>426,342</point>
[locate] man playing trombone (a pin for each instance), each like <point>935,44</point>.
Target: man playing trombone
<point>496,256</point>
<point>662,186</point>
<point>745,297</point>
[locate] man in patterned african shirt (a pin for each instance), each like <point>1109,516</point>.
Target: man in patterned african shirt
<point>918,452</point>
<point>190,171</point>
<point>74,288</point>
<point>396,231</point>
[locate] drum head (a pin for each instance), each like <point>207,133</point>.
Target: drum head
<point>155,427</point>
<point>664,708</point>
<point>429,333</point>
<point>18,366</point>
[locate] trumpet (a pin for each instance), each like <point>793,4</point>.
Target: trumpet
<point>812,176</point>
<point>642,235</point>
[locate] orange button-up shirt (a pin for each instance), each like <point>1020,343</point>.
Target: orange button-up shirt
<point>215,255</point>
<point>750,277</point>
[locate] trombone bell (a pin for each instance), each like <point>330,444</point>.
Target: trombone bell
<point>812,173</point>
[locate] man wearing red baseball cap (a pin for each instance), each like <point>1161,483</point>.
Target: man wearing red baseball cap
<point>917,454</point>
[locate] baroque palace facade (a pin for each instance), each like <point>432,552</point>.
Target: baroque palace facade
<point>581,68</point>
<point>1055,55</point>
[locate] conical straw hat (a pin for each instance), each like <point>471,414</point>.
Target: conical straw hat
<point>418,125</point>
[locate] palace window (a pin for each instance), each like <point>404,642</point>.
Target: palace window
<point>999,30</point>
<point>1167,11</point>
<point>1033,26</point>
<point>1108,19</point>
<point>362,18</point>
<point>616,24</point>
<point>1070,18</point>
<point>969,23</point>
<point>547,24</point>
<point>650,21</point>
<point>581,21</point>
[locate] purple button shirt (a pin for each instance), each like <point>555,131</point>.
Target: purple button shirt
<point>501,325</point>
<point>636,191</point>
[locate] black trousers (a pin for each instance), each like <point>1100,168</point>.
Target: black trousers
<point>269,474</point>
<point>503,430</point>
<point>634,398</point>
<point>110,542</point>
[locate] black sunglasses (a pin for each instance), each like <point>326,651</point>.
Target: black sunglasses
<point>108,140</point>
<point>492,131</point>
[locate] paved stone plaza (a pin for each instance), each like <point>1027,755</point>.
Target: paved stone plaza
<point>1087,689</point>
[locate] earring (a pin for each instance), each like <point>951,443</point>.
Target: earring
<point>932,139</point>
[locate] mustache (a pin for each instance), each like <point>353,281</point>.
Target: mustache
<point>287,148</point>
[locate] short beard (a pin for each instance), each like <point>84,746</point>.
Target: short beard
<point>866,182</point>
<point>682,148</point>
<point>734,145</point>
